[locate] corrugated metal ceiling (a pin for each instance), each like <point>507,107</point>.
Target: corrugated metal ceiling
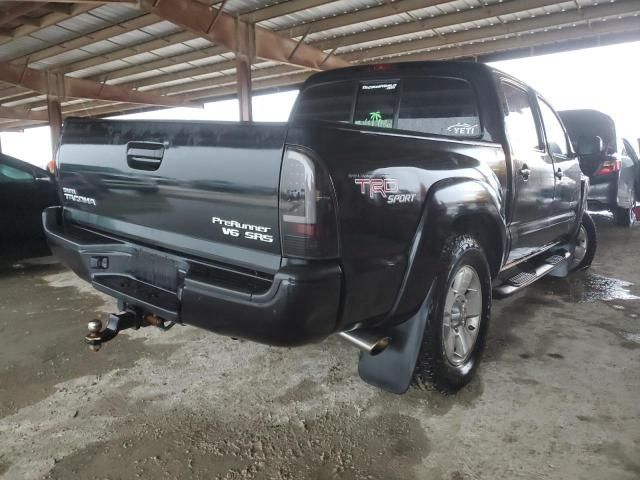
<point>193,59</point>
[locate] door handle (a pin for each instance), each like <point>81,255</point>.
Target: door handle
<point>525,172</point>
<point>145,155</point>
<point>559,174</point>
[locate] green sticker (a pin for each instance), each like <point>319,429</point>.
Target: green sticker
<point>375,117</point>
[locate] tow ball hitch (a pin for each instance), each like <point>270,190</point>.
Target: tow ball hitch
<point>118,322</point>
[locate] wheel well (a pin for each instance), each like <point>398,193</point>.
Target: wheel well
<point>485,229</point>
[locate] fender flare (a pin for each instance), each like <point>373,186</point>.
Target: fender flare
<point>447,202</point>
<point>582,206</point>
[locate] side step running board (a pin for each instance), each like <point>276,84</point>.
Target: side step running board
<point>529,273</point>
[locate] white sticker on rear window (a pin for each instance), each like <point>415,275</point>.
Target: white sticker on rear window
<point>379,86</point>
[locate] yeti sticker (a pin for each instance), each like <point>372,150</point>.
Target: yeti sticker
<point>462,129</point>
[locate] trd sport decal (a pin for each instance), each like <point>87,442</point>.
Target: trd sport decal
<point>233,228</point>
<point>384,187</point>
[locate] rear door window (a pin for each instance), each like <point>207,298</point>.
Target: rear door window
<point>441,106</point>
<point>519,120</point>
<point>556,138</point>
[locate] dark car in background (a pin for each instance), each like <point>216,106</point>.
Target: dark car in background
<point>25,191</point>
<point>608,161</point>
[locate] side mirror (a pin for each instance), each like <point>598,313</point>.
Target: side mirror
<point>590,146</point>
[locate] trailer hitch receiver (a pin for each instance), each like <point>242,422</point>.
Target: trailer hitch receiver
<point>117,322</point>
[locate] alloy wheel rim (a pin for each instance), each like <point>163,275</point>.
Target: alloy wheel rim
<point>580,250</point>
<point>462,315</point>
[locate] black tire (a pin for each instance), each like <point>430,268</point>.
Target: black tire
<point>433,369</point>
<point>624,217</point>
<point>592,243</point>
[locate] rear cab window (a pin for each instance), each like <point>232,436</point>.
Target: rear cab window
<point>427,105</point>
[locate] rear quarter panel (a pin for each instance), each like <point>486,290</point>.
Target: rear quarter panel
<point>376,232</point>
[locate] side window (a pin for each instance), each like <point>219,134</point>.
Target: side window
<point>556,138</point>
<point>10,174</point>
<point>442,106</point>
<point>519,120</point>
<point>328,101</point>
<point>376,104</point>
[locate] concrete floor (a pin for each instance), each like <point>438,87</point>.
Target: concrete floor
<point>557,396</point>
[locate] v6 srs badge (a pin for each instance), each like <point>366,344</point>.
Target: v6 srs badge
<point>235,229</point>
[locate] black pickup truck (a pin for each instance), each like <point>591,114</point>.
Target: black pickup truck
<point>388,210</point>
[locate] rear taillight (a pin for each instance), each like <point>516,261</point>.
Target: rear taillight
<point>609,166</point>
<point>307,210</point>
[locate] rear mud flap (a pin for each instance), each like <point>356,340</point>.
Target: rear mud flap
<point>392,370</point>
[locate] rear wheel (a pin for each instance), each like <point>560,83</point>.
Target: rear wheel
<point>457,326</point>
<point>626,217</point>
<point>586,244</point>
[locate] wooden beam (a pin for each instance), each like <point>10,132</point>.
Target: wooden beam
<point>69,87</point>
<point>200,19</point>
<point>16,11</point>
<point>60,8</point>
<point>243,79</point>
<point>22,114</point>
<point>227,82</point>
<point>55,122</point>
<point>35,22</point>
<point>252,16</point>
<point>226,90</point>
<point>245,49</point>
<point>10,129</point>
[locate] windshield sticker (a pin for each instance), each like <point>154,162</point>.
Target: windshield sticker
<point>463,129</point>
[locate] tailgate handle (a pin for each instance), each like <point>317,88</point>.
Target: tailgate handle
<point>145,155</point>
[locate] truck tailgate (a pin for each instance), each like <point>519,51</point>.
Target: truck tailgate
<point>208,189</point>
